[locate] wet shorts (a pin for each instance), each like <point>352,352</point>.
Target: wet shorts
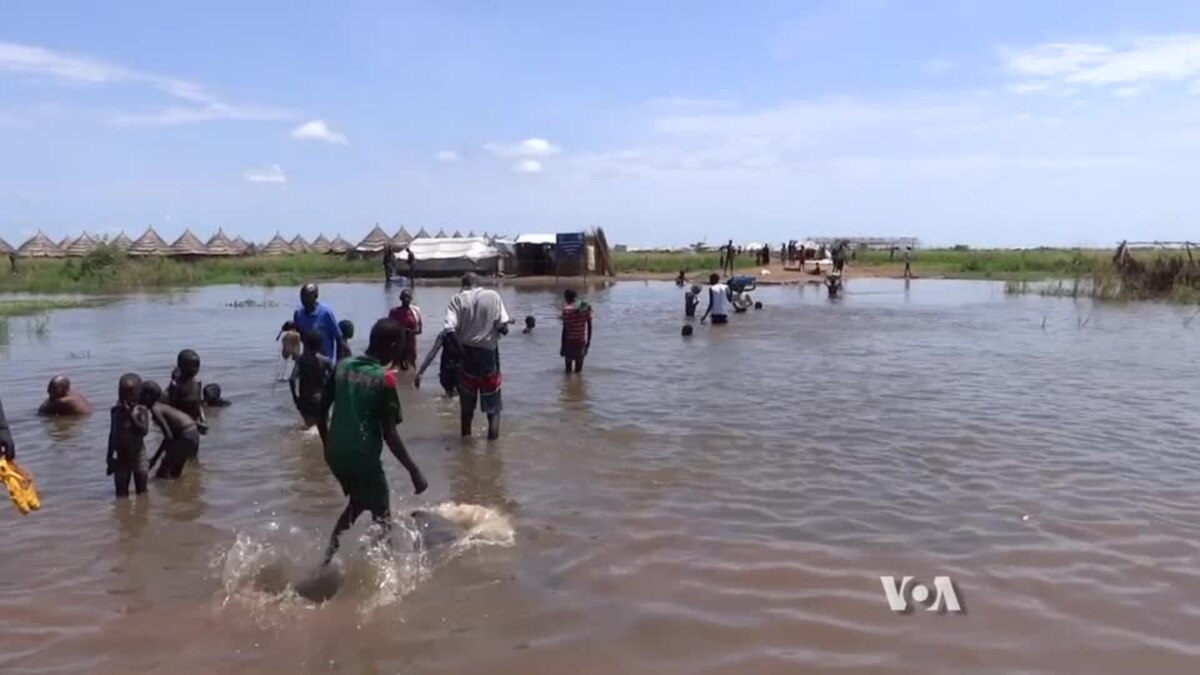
<point>366,486</point>
<point>573,349</point>
<point>720,318</point>
<point>310,410</point>
<point>480,376</point>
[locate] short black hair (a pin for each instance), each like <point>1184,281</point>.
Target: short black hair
<point>312,340</point>
<point>386,334</point>
<point>151,393</point>
<point>687,331</point>
<point>308,289</point>
<point>188,360</point>
<point>212,392</point>
<point>469,280</point>
<point>570,294</point>
<point>288,325</point>
<point>714,278</point>
<point>347,328</point>
<point>530,321</point>
<point>129,382</point>
<point>758,305</point>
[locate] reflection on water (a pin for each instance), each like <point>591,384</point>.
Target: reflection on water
<point>722,503</point>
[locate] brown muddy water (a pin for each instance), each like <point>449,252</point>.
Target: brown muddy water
<point>724,504</point>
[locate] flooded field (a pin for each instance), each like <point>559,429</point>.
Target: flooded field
<point>724,504</point>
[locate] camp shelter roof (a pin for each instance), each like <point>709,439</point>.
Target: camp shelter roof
<point>240,245</point>
<point>320,244</point>
<point>422,234</point>
<point>82,246</point>
<point>277,246</point>
<point>122,242</point>
<point>149,244</point>
<point>452,249</point>
<point>375,240</point>
<point>5,247</point>
<point>531,238</point>
<point>188,244</point>
<point>300,245</point>
<point>39,246</point>
<point>440,235</point>
<point>457,235</point>
<point>402,238</point>
<point>219,245</point>
<point>339,245</point>
<point>471,235</point>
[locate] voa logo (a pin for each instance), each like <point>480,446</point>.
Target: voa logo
<point>908,593</point>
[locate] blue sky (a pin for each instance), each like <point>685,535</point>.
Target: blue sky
<point>988,123</point>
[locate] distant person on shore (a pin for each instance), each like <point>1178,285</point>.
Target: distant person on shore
<point>839,258</point>
<point>719,298</point>
<point>408,316</point>
<point>12,261</point>
<point>451,362</point>
<point>212,397</point>
<point>908,262</point>
<point>8,449</point>
<point>308,381</point>
<point>366,411</point>
<point>766,255</point>
<point>691,299</point>
<point>129,424</point>
<point>312,315</point>
<point>681,279</point>
<point>730,253</point>
<point>412,266</point>
<point>186,393</point>
<point>478,317</point>
<point>389,262</point>
<point>61,401</point>
<point>347,328</point>
<point>576,331</point>
<point>181,438</point>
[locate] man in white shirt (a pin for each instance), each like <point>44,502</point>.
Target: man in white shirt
<point>719,298</point>
<point>478,318</point>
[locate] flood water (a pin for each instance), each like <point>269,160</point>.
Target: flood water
<point>724,504</point>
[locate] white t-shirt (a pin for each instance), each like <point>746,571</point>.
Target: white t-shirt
<point>717,292</point>
<point>474,314</point>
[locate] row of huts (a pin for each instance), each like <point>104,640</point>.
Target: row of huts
<point>189,245</point>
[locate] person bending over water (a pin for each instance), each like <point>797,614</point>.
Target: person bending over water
<point>181,438</point>
<point>366,411</point>
<point>312,373</point>
<point>576,331</point>
<point>62,402</point>
<point>447,343</point>
<point>719,298</point>
<point>478,317</point>
<point>129,423</point>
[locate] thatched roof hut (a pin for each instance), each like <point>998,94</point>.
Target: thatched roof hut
<point>81,246</point>
<point>121,242</point>
<point>339,245</point>
<point>440,235</point>
<point>299,245</point>
<point>401,239</point>
<point>240,246</point>
<point>5,248</point>
<point>277,246</point>
<point>219,245</point>
<point>374,242</point>
<point>456,235</point>
<point>471,234</point>
<point>40,246</point>
<point>188,245</point>
<point>320,245</point>
<point>149,244</point>
<point>422,234</point>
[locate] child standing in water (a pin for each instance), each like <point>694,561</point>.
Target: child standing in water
<point>447,344</point>
<point>691,300</point>
<point>576,330</point>
<point>312,373</point>
<point>129,423</point>
<point>186,393</point>
<point>181,438</point>
<point>347,329</point>
<point>408,316</point>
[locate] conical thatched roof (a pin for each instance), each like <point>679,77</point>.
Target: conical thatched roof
<point>456,235</point>
<point>240,245</point>
<point>277,246</point>
<point>62,245</point>
<point>471,234</point>
<point>149,244</point>
<point>81,246</point>
<point>188,245</point>
<point>40,246</point>
<point>402,238</point>
<point>339,245</point>
<point>374,241</point>
<point>121,242</point>
<point>299,245</point>
<point>422,234</point>
<point>440,235</point>
<point>5,248</point>
<point>219,245</point>
<point>320,245</point>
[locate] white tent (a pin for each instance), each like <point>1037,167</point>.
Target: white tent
<point>537,239</point>
<point>435,256</point>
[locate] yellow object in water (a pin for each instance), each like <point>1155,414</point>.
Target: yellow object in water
<point>20,486</point>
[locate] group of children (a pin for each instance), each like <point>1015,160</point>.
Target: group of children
<point>179,413</point>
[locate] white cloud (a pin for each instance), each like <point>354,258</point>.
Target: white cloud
<point>1023,88</point>
<point>1169,58</point>
<point>936,66</point>
<point>530,147</point>
<point>318,130</point>
<point>447,156</point>
<point>528,166</point>
<point>1129,92</point>
<point>266,174</point>
<point>202,105</point>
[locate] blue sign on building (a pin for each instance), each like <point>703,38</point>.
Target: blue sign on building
<point>569,245</point>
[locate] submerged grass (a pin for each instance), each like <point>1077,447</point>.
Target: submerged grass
<point>108,270</point>
<point>10,308</point>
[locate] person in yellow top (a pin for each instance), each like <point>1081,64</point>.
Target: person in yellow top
<point>18,482</point>
<point>7,449</point>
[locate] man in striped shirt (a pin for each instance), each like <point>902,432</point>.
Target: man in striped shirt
<point>576,331</point>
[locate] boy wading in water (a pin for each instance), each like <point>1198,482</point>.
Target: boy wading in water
<point>719,298</point>
<point>366,410</point>
<point>181,438</point>
<point>185,392</point>
<point>309,378</point>
<point>576,331</point>
<point>451,362</point>
<point>478,317</point>
<point>691,300</point>
<point>130,422</point>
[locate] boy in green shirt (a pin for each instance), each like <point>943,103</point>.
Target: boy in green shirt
<point>366,410</point>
